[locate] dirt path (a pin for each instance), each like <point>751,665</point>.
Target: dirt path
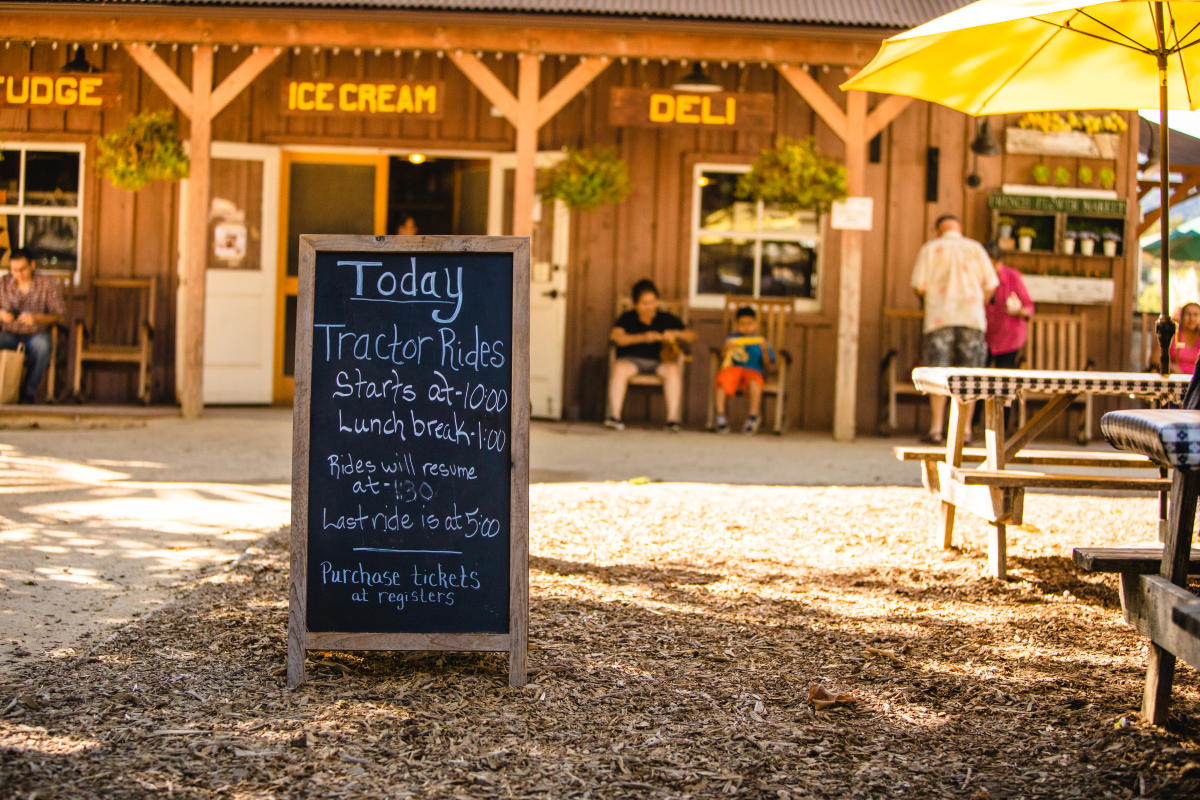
<point>676,632</point>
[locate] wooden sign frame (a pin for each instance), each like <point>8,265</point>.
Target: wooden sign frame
<point>515,641</point>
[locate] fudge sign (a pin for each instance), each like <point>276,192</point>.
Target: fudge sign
<point>410,481</point>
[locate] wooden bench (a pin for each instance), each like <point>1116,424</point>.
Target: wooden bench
<point>1058,458</point>
<point>1133,560</point>
<point>1020,479</point>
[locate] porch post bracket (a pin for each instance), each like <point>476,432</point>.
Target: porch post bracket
<point>816,97</point>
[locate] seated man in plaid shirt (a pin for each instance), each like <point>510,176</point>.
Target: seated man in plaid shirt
<point>29,305</point>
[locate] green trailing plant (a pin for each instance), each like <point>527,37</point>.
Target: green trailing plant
<point>147,149</point>
<point>794,176</point>
<point>587,179</point>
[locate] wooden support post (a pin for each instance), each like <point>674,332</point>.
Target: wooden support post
<point>200,104</point>
<point>845,402</point>
<point>525,179</point>
<point>191,391</point>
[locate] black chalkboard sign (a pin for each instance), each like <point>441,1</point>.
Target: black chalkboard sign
<point>410,470</point>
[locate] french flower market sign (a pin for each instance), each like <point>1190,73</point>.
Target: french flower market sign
<point>652,108</point>
<point>423,99</point>
<point>1095,206</point>
<point>98,90</point>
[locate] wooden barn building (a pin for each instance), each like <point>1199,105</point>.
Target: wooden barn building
<point>323,116</point>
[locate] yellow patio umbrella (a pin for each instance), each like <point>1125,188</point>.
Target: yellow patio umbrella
<point>1006,56</point>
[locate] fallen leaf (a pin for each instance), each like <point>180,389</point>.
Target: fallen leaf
<point>820,697</point>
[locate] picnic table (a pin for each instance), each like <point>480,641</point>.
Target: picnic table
<point>995,490</point>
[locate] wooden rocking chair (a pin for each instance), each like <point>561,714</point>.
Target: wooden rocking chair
<point>774,321</point>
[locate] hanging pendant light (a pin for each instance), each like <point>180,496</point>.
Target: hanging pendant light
<point>697,81</point>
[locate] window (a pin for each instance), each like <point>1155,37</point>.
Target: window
<point>41,202</point>
<point>749,248</point>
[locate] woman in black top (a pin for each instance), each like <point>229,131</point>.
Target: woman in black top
<point>640,335</point>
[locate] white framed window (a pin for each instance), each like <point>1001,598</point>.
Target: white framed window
<point>747,247</point>
<point>41,202</point>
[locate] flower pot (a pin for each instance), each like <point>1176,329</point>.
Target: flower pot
<point>1005,232</point>
<point>1087,246</point>
<point>1024,243</point>
<point>1068,246</point>
<point>1110,247</point>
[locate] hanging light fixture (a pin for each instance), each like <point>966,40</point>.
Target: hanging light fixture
<point>985,143</point>
<point>697,81</point>
<point>79,62</point>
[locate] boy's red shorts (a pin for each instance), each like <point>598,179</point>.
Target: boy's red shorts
<point>731,379</point>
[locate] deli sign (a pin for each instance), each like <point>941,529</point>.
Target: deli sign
<point>97,90</point>
<point>652,108</point>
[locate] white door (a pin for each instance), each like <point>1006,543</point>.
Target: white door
<point>549,250</point>
<point>239,306</point>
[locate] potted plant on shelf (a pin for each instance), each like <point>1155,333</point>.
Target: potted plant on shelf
<point>1111,240</point>
<point>1087,242</point>
<point>1025,238</point>
<point>1068,242</point>
<point>1004,227</point>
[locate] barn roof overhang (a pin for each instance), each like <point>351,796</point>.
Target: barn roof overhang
<point>409,29</point>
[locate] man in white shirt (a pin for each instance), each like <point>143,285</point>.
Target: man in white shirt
<point>954,279</point>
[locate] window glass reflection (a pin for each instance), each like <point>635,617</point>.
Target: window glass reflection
<point>52,240</point>
<point>778,220</point>
<point>51,179</point>
<point>726,266</point>
<point>789,269</point>
<point>720,208</point>
<point>10,176</point>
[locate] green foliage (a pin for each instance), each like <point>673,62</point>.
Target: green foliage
<point>1108,178</point>
<point>1030,232</point>
<point>146,149</point>
<point>795,176</point>
<point>588,179</point>
<point>1041,174</point>
<point>1086,176</point>
<point>1062,176</point>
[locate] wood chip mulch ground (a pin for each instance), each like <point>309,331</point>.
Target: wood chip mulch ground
<point>686,641</point>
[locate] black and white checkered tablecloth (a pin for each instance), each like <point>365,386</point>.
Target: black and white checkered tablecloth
<point>1169,436</point>
<point>974,384</point>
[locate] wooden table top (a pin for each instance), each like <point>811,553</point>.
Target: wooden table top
<point>966,383</point>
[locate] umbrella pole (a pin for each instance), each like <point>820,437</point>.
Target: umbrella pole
<point>1165,326</point>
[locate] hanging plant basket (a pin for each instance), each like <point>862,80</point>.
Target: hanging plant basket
<point>795,176</point>
<point>147,149</point>
<point>588,179</point>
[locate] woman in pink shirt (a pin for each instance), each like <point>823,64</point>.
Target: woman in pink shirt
<point>1008,314</point>
<point>1185,347</point>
